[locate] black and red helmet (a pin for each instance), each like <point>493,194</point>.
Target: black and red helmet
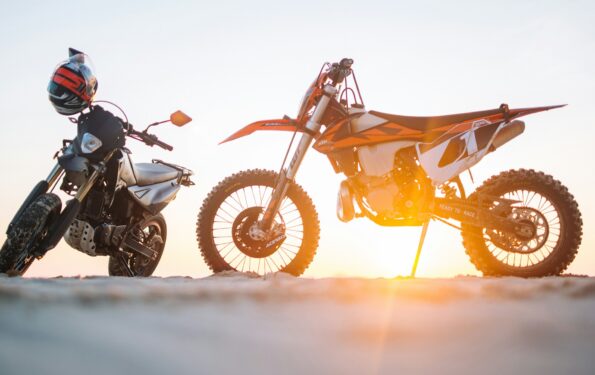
<point>73,84</point>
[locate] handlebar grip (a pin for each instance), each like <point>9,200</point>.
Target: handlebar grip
<point>149,139</point>
<point>165,146</point>
<point>155,141</point>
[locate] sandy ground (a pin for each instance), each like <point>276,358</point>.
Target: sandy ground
<point>234,323</point>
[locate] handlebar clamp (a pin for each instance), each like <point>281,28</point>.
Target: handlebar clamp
<point>340,71</point>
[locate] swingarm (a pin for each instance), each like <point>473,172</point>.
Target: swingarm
<point>478,213</point>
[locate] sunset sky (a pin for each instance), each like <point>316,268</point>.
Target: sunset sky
<point>227,64</point>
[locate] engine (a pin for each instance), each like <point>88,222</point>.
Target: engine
<point>397,194</point>
<point>387,198</point>
<point>93,241</point>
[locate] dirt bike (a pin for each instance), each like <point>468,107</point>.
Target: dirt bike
<point>400,171</point>
<point>115,210</point>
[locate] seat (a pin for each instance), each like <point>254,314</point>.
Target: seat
<point>154,173</point>
<point>426,124</point>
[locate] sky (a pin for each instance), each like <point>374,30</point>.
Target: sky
<point>230,63</point>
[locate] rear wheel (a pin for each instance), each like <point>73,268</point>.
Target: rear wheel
<point>228,216</point>
<point>152,233</point>
<point>547,207</point>
<point>30,228</point>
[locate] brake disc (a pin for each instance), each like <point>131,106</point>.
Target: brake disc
<point>253,247</point>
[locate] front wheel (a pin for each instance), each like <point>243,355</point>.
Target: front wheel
<point>151,232</point>
<point>229,214</point>
<point>546,206</point>
<point>24,238</point>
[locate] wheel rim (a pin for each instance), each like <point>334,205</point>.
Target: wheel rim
<point>512,251</point>
<point>238,257</point>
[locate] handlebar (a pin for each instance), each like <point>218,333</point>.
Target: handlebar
<point>346,63</point>
<point>148,139</point>
<point>339,71</point>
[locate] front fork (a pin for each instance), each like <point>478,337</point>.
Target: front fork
<point>287,175</point>
<point>42,187</point>
<point>73,206</point>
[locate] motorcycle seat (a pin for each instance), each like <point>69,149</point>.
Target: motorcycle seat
<point>426,124</point>
<point>154,173</point>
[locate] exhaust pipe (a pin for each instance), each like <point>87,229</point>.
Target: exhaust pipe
<point>508,132</point>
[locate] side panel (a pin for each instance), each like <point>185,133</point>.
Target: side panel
<point>365,122</point>
<point>155,197</point>
<point>449,158</point>
<point>378,160</point>
<point>361,130</point>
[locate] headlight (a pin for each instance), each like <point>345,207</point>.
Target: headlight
<point>90,143</point>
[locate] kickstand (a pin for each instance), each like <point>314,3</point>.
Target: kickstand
<point>424,230</point>
<point>124,264</point>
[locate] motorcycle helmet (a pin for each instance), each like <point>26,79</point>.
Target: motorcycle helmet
<point>73,84</point>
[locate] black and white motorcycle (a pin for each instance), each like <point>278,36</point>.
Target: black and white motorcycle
<point>115,210</point>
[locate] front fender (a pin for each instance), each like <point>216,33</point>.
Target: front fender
<point>284,124</point>
<point>74,163</point>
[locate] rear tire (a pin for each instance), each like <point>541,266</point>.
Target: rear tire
<point>30,228</point>
<point>290,257</point>
<point>562,228</point>
<point>139,265</point>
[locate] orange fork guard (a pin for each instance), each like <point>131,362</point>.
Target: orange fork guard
<point>285,124</point>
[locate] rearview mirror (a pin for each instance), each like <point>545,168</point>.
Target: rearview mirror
<point>179,118</point>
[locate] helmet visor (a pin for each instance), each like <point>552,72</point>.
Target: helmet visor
<point>82,63</point>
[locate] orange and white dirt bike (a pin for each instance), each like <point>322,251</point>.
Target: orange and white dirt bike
<point>400,171</point>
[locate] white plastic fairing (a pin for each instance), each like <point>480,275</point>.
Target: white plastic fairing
<point>155,197</point>
<point>378,160</point>
<point>365,121</point>
<point>433,158</point>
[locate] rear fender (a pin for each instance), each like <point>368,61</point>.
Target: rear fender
<point>520,112</point>
<point>284,124</point>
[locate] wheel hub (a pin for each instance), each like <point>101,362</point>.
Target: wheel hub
<point>253,241</point>
<point>529,236</point>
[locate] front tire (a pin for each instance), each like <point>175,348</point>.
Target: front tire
<point>556,217</point>
<point>30,228</point>
<point>153,231</point>
<point>234,204</point>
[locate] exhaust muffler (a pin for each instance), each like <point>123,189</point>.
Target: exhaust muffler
<point>508,132</point>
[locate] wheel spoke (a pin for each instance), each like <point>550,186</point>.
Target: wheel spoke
<point>537,210</point>
<point>228,224</point>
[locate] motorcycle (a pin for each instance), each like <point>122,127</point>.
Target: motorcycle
<point>115,210</point>
<point>400,171</point>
